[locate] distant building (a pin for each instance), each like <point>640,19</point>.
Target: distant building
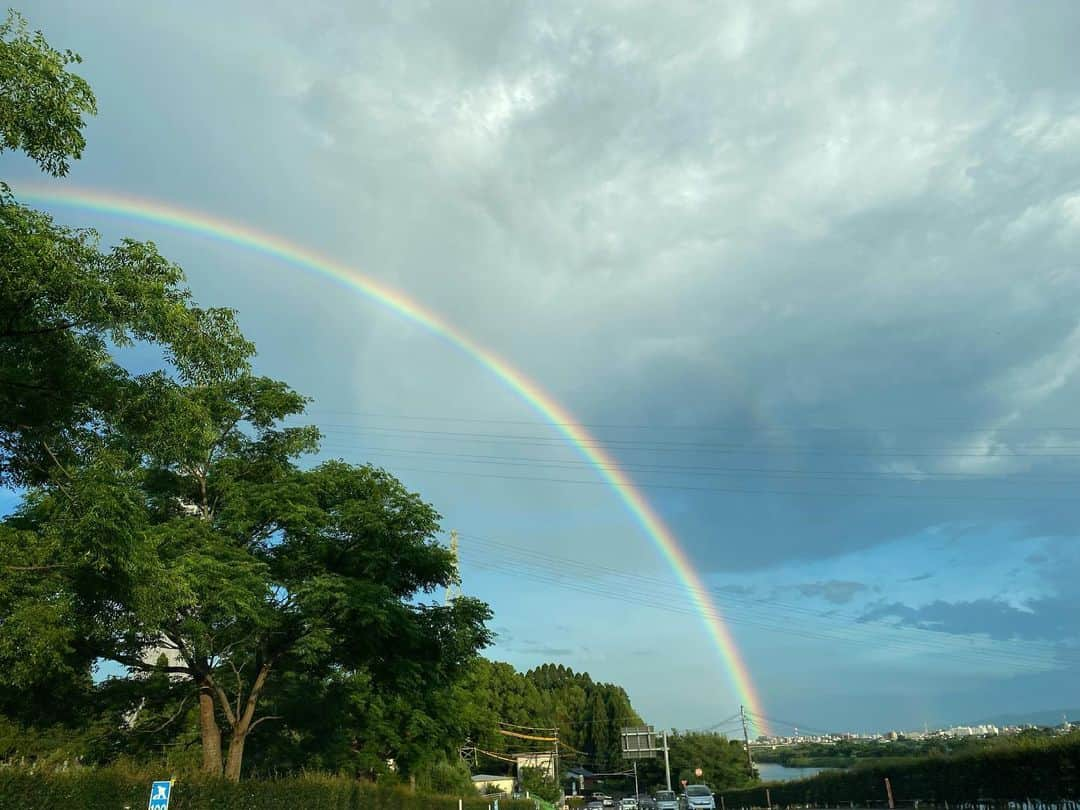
<point>486,783</point>
<point>579,780</point>
<point>544,760</point>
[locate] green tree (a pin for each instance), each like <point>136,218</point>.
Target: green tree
<point>65,303</point>
<point>220,550</point>
<point>538,783</point>
<point>42,104</point>
<point>722,762</point>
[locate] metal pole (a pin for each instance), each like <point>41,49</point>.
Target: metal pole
<point>888,789</point>
<point>667,764</point>
<point>637,792</point>
<point>556,775</point>
<point>746,739</point>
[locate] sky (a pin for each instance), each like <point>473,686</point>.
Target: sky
<point>808,271</point>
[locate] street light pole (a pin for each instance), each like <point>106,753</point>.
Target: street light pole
<point>667,763</point>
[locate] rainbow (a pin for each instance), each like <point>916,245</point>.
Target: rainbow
<point>243,236</point>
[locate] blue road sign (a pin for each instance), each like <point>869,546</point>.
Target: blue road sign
<point>159,795</point>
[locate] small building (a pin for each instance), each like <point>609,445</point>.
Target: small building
<point>579,780</point>
<point>486,783</point>
<point>543,760</point>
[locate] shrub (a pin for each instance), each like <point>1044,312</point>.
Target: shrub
<point>113,789</point>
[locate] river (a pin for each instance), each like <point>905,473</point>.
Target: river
<point>775,772</point>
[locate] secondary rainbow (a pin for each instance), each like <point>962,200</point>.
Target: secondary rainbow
<point>244,236</point>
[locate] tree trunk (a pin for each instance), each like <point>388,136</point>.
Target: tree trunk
<point>211,734</point>
<point>242,723</point>
<point>236,753</point>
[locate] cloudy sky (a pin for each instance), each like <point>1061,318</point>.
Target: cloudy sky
<point>808,270</point>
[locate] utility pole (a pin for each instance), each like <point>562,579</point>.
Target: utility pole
<point>557,776</point>
<point>667,764</point>
<point>637,790</point>
<point>453,591</point>
<point>746,739</point>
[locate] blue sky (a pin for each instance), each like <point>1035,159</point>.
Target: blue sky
<point>809,268</point>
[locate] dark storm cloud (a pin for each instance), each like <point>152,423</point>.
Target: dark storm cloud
<point>1045,619</point>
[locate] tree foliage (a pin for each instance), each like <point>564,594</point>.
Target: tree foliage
<point>722,762</point>
<point>588,714</point>
<point>42,104</point>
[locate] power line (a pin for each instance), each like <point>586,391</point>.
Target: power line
<point>983,657</point>
<point>639,484</point>
<point>562,564</point>
<point>914,478</point>
<point>527,728</point>
<point>786,428</point>
<point>552,569</point>
<point>916,640</point>
<point>698,447</point>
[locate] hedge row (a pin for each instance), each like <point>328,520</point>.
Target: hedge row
<point>92,789</point>
<point>1047,770</point>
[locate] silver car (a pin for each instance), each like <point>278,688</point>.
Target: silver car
<point>698,797</point>
<point>666,800</point>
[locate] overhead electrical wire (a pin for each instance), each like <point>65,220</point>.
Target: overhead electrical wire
<point>786,428</point>
<point>742,491</point>
<point>870,633</point>
<point>552,569</point>
<point>955,654</point>
<point>699,446</point>
<point>914,477</point>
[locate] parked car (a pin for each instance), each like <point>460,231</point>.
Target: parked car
<point>666,800</point>
<point>698,797</point>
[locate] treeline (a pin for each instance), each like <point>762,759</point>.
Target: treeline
<point>846,753</point>
<point>1020,770</point>
<point>588,714</point>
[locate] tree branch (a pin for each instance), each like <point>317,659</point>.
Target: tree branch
<point>253,695</point>
<point>183,703</point>
<point>139,664</point>
<point>223,699</point>
<point>239,684</point>
<point>63,326</point>
<point>267,717</point>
